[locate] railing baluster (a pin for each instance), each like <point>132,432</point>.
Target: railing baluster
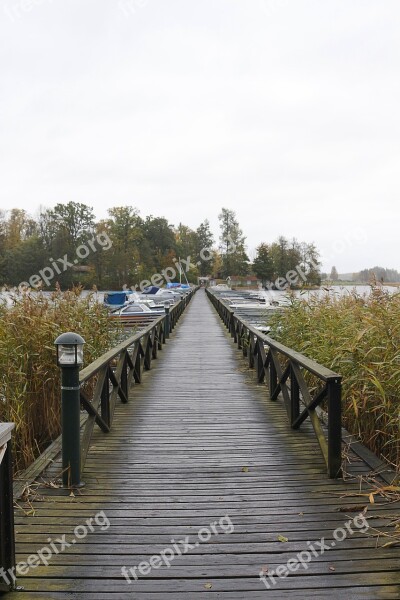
<point>124,377</point>
<point>260,361</point>
<point>334,427</point>
<point>147,353</point>
<point>273,378</point>
<point>137,373</point>
<point>294,397</point>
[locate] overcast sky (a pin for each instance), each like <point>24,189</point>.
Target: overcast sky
<point>286,111</point>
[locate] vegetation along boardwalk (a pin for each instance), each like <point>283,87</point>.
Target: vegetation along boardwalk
<point>200,486</point>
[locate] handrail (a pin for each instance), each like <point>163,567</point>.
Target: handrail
<point>7,543</point>
<point>285,378</point>
<point>111,375</point>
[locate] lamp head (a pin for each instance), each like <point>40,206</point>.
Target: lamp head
<point>69,349</point>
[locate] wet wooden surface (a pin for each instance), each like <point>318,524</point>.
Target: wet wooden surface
<point>199,447</point>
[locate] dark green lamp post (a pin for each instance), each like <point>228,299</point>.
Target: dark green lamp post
<point>70,358</point>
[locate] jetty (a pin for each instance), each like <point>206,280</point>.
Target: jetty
<point>212,469</point>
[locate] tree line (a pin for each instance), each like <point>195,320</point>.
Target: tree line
<point>66,245</point>
<point>379,274</point>
<point>375,274</point>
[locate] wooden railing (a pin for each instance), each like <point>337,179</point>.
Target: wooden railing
<point>7,546</point>
<point>111,376</point>
<point>284,369</point>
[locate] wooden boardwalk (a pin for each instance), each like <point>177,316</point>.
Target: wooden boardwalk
<point>198,448</point>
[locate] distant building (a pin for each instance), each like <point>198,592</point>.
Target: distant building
<point>245,281</point>
<point>204,281</point>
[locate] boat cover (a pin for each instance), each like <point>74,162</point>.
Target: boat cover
<point>152,289</point>
<point>115,298</point>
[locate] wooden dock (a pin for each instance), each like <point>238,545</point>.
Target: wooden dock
<point>197,448</point>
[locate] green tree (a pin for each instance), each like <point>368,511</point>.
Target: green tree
<point>204,251</point>
<point>74,220</point>
<point>63,229</point>
<point>310,263</point>
<point>186,249</point>
<point>234,258</point>
<point>263,266</point>
<point>121,264</point>
<point>278,253</point>
<point>334,274</point>
<point>24,260</point>
<point>160,245</point>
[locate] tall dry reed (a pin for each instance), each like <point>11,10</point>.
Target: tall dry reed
<point>29,376</point>
<point>359,337</point>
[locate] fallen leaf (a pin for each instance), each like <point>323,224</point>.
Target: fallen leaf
<point>356,508</point>
<point>371,498</point>
<point>208,586</point>
<point>265,569</point>
<point>245,469</point>
<point>389,544</point>
<point>282,538</point>
<point>332,569</point>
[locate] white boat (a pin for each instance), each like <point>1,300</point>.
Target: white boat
<point>135,312</point>
<point>220,287</point>
<point>251,306</point>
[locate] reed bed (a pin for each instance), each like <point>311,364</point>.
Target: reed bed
<point>358,337</point>
<point>29,376</point>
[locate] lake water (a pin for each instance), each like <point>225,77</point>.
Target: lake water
<point>361,290</point>
<point>7,297</point>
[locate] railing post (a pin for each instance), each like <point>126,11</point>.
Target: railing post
<point>160,336</point>
<point>260,364</point>
<point>137,373</point>
<point>294,397</point>
<point>235,333</point>
<point>7,543</point>
<point>239,336</point>
<point>167,330</point>
<point>334,387</point>
<point>124,378</point>
<point>147,352</point>
<point>105,399</point>
<point>273,377</point>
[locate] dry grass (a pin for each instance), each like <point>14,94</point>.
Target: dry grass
<point>29,376</point>
<point>359,337</point>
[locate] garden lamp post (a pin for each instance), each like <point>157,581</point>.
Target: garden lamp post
<point>70,358</point>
